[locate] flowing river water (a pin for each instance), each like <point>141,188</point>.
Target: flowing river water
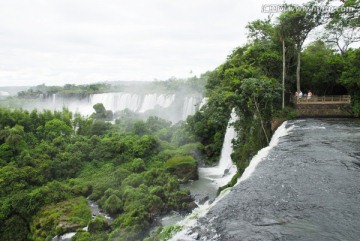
<point>303,186</point>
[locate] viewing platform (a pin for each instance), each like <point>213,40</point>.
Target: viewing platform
<point>332,99</point>
<point>324,106</point>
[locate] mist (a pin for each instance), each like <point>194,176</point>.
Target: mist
<point>172,100</point>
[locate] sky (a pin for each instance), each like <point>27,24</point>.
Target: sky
<point>56,42</point>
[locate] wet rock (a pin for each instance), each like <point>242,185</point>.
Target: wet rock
<point>203,200</point>
<point>191,206</point>
<point>66,227</point>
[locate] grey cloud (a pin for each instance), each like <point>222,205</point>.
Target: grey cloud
<point>62,41</point>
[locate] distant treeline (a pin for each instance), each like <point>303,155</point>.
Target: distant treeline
<point>172,85</point>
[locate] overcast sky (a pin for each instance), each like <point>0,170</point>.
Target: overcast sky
<point>84,41</point>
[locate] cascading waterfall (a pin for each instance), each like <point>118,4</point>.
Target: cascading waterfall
<point>118,101</point>
<point>211,178</point>
<point>177,106</point>
<point>152,100</point>
<point>190,221</point>
<point>203,102</point>
<point>221,174</point>
<point>189,107</point>
<point>134,102</point>
<point>54,99</point>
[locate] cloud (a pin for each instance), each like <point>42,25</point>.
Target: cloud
<point>62,41</point>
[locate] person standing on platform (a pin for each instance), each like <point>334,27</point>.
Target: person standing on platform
<point>309,94</point>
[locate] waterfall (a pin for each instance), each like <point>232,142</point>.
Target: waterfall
<point>54,99</point>
<point>4,93</point>
<point>188,224</point>
<point>189,107</point>
<point>178,107</point>
<point>221,174</point>
<point>129,101</point>
<point>203,102</point>
<point>134,102</point>
<point>152,100</point>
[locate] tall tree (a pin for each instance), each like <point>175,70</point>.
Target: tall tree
<point>297,23</point>
<point>281,34</point>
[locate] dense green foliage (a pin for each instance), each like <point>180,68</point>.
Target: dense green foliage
<point>49,161</point>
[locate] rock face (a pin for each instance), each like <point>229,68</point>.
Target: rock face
<point>323,110</point>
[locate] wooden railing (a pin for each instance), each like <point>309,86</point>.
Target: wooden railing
<point>334,99</point>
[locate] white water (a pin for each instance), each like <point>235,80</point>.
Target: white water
<point>189,107</point>
<point>221,174</point>
<point>203,102</point>
<point>64,237</point>
<point>139,103</point>
<point>134,102</point>
<point>4,93</point>
<point>191,220</point>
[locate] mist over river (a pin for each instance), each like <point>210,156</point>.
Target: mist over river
<point>306,188</point>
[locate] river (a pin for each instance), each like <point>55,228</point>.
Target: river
<point>305,187</point>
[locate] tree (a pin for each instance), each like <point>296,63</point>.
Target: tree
<point>260,29</point>
<point>101,112</point>
<point>321,69</point>
<point>280,32</point>
<point>298,23</point>
<point>343,24</point>
<point>100,127</point>
<point>55,128</point>
<point>13,137</point>
<point>351,78</point>
<point>259,96</point>
<point>113,204</point>
<point>99,108</point>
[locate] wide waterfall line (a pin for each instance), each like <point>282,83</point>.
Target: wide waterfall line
<point>134,102</point>
<point>190,222</point>
<point>173,107</point>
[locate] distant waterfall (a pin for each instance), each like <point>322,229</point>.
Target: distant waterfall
<point>117,101</point>
<point>152,100</point>
<point>54,99</point>
<point>189,107</point>
<point>134,102</point>
<point>173,107</point>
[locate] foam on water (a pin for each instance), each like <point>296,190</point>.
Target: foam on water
<point>191,220</point>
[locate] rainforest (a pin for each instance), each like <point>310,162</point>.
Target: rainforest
<point>135,163</point>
